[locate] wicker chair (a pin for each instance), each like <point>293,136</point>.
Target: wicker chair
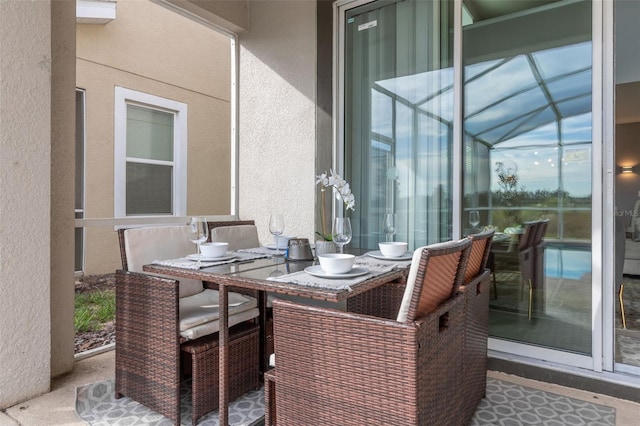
<point>344,368</point>
<point>152,342</point>
<point>476,331</point>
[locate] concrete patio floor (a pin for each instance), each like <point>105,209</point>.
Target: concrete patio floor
<point>58,406</point>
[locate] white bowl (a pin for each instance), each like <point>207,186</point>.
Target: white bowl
<point>336,263</point>
<point>393,249</point>
<point>218,249</point>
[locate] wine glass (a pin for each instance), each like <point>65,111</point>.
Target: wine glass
<point>276,227</point>
<point>474,218</point>
<point>198,233</point>
<point>389,223</point>
<point>341,232</point>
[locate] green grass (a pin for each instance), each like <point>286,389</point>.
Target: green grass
<point>94,309</point>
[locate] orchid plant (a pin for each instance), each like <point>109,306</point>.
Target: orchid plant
<point>342,192</point>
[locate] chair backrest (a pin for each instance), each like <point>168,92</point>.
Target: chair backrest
<point>141,246</point>
<point>218,223</point>
<point>527,237</point>
<point>238,236</point>
<point>541,231</point>
<point>478,254</point>
<point>435,275</point>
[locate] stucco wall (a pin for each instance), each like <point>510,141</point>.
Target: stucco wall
<point>63,78</point>
<point>25,164</point>
<point>165,55</point>
<point>277,116</point>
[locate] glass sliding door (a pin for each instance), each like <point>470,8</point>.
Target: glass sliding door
<point>527,124</point>
<point>398,105</point>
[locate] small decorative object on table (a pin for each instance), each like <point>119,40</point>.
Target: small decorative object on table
<point>342,192</point>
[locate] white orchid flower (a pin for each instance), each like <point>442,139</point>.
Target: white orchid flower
<point>340,186</point>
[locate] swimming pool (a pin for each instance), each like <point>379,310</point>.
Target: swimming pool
<point>567,260</point>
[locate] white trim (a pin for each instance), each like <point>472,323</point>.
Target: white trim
<point>95,12</point>
<point>124,97</point>
<point>235,163</point>
<point>608,132</point>
<point>458,142</point>
<point>598,267</point>
<point>131,221</point>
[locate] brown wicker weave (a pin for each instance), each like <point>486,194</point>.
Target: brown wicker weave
<point>337,368</point>
<point>476,331</point>
<point>343,368</point>
<point>153,317</point>
<point>148,350</point>
<point>253,277</point>
<point>203,355</point>
<point>147,342</point>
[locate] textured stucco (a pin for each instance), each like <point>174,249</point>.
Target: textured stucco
<point>25,164</point>
<point>63,77</point>
<point>277,116</point>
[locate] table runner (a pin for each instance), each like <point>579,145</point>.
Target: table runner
<point>376,267</point>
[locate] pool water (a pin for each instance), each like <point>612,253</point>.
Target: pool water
<point>570,263</point>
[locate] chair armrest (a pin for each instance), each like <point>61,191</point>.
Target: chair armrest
<point>148,342</point>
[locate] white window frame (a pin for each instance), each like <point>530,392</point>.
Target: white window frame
<point>124,97</point>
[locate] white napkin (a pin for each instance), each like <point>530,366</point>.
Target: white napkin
<point>372,262</point>
<point>267,252</point>
<point>192,264</point>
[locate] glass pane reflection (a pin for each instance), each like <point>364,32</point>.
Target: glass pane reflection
<point>527,126</point>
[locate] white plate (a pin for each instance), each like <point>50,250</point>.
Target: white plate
<point>378,255</point>
<point>317,271</point>
<point>273,247</point>
<point>227,256</point>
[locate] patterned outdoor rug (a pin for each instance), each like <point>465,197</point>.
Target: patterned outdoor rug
<point>514,405</point>
<point>96,404</point>
<point>505,404</point>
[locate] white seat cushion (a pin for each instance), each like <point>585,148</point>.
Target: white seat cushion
<point>145,245</point>
<point>238,236</point>
<point>214,326</point>
<point>200,313</point>
<point>403,312</point>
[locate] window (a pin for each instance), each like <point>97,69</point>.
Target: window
<point>150,155</point>
<point>79,205</point>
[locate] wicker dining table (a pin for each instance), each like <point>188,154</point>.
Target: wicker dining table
<point>254,275</point>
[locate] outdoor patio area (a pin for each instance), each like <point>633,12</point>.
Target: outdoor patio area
<point>59,406</point>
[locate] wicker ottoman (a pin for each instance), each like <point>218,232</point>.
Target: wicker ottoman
<point>243,367</point>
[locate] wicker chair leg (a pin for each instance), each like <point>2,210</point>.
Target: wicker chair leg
<point>270,398</point>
